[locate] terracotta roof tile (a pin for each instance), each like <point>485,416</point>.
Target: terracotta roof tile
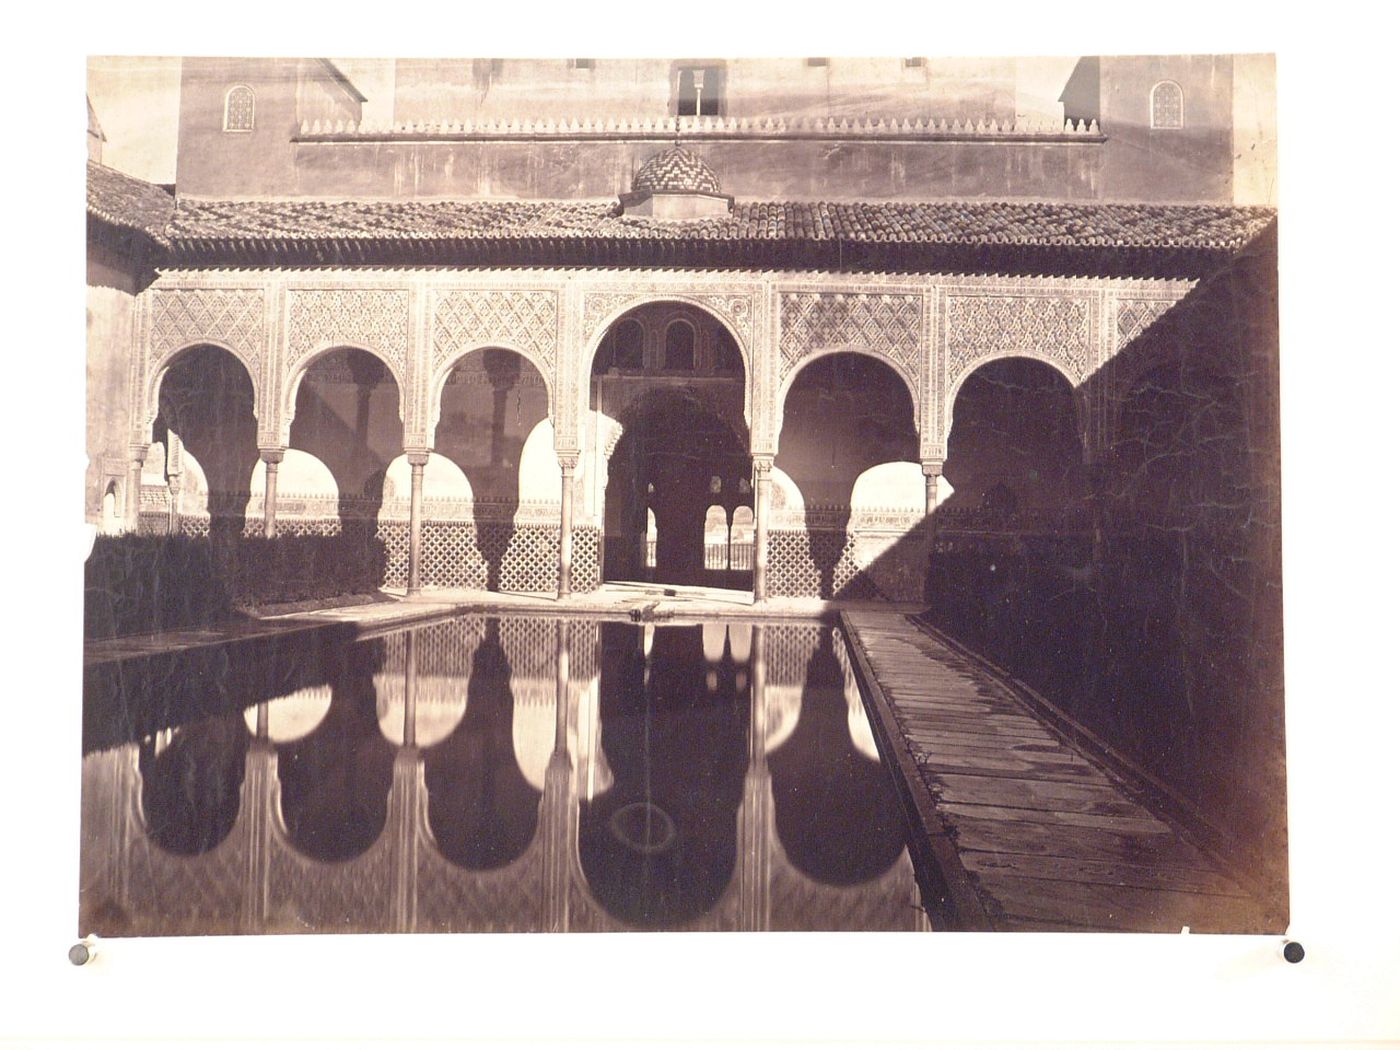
<point>1124,226</point>
<point>130,203</point>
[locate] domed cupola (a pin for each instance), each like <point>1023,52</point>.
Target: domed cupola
<point>675,184</point>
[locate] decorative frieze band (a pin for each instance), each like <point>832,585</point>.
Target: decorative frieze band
<point>1050,327</point>
<point>886,324</point>
<point>376,319</point>
<point>524,320</point>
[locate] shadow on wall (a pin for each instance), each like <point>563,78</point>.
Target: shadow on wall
<point>1144,602</point>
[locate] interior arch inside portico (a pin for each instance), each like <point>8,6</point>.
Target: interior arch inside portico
<point>673,378</point>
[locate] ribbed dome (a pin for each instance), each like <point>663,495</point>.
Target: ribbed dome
<point>675,170</point>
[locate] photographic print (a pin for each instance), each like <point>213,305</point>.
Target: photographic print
<point>616,494</point>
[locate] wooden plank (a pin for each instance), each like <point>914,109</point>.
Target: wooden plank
<point>1036,794</point>
<point>1125,908</point>
<point>1007,836</point>
<point>1001,732</point>
<point>1113,822</point>
<point>1083,774</point>
<point>1000,743</point>
<point>1109,873</point>
<point>934,752</point>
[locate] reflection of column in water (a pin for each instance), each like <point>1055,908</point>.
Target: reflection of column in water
<point>557,804</point>
<point>256,805</point>
<point>406,799</point>
<point>755,818</point>
<point>410,690</point>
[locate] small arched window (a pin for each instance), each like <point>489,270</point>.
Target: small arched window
<point>716,537</point>
<point>680,346</point>
<point>1168,110</point>
<point>238,108</point>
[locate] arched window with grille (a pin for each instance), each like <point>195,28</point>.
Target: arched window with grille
<point>716,538</point>
<point>680,346</point>
<point>741,539</point>
<point>1168,108</point>
<point>238,108</point>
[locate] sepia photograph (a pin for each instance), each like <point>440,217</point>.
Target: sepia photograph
<point>682,494</point>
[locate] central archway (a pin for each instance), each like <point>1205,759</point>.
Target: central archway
<point>670,381</point>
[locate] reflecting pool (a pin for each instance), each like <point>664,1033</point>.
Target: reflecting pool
<point>491,774</point>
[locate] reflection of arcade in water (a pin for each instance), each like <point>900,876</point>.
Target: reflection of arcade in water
<point>500,774</point>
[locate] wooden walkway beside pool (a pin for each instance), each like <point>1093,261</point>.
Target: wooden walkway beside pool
<point>1027,832</point>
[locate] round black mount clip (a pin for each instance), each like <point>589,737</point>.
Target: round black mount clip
<point>1293,951</point>
<point>84,951</point>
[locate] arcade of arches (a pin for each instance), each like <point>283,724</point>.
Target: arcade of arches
<point>732,429</point>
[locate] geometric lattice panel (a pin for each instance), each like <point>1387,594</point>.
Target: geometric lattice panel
<point>233,317</point>
<point>888,325</point>
<point>1135,316</point>
<point>819,563</point>
<point>1049,327</point>
<point>375,319</point>
<point>463,320</point>
<point>490,555</point>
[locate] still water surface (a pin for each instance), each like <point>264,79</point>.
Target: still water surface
<point>491,774</point>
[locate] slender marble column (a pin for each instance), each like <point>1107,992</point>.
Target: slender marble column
<point>173,479</point>
<point>762,499</point>
<point>271,457</point>
<point>172,483</point>
<point>137,456</point>
<point>933,470</point>
<point>568,463</point>
<point>417,460</point>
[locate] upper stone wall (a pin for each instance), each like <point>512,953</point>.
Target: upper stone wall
<point>876,129</point>
<point>433,90</point>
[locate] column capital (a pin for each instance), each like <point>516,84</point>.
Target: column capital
<point>932,467</point>
<point>762,466</point>
<point>272,453</point>
<point>568,461</point>
<point>417,457</point>
<point>137,451</point>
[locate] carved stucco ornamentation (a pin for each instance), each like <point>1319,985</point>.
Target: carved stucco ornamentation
<point>374,318</point>
<point>598,305</point>
<point>1054,328</point>
<point>1135,316</point>
<point>888,325</point>
<point>735,308</point>
<point>523,319</point>
<point>232,317</point>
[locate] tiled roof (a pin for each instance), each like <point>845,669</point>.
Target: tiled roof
<point>1199,228</point>
<point>675,170</point>
<point>129,203</point>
